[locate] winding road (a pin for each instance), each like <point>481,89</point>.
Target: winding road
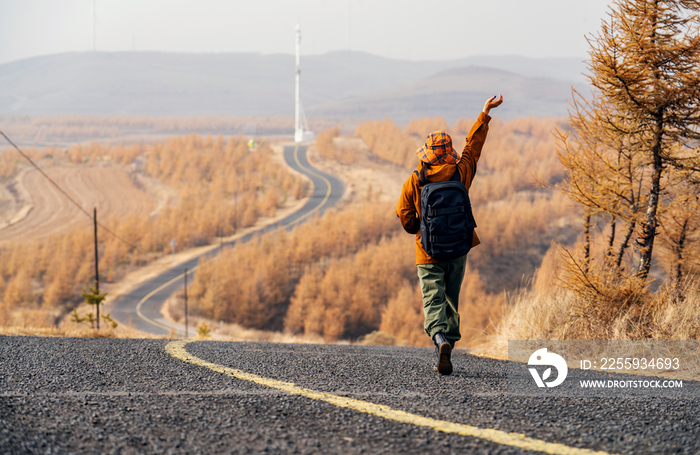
<point>152,396</point>
<point>141,307</point>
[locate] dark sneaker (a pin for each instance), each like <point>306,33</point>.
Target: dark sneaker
<point>444,353</point>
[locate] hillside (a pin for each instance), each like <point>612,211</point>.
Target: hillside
<point>236,85</point>
<point>456,93</point>
<point>32,208</point>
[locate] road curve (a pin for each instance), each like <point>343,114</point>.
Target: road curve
<point>129,396</point>
<point>141,307</point>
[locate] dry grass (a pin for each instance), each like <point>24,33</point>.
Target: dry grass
<point>173,310</point>
<point>37,321</point>
<point>219,332</point>
<point>558,314</point>
<point>378,338</point>
<point>69,329</point>
<point>71,332</point>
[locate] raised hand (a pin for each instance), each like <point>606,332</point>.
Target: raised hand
<point>492,102</point>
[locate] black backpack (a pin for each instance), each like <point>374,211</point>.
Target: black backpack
<point>447,223</point>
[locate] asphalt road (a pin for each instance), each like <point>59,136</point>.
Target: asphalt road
<point>140,308</point>
<point>124,396</point>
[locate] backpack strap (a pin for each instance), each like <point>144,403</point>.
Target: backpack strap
<point>448,238</point>
<point>447,211</point>
<point>456,177</point>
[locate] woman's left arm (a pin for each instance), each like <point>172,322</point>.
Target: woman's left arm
<point>406,208</point>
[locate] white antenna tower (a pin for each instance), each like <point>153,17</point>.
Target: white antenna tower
<point>298,128</point>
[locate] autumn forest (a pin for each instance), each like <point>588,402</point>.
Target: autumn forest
<point>589,224</point>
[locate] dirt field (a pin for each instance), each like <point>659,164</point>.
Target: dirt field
<point>368,178</point>
<point>32,208</point>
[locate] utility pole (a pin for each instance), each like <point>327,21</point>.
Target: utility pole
<point>298,131</point>
<point>94,26</point>
<point>173,244</point>
<point>185,302</point>
<point>235,211</point>
<point>97,270</point>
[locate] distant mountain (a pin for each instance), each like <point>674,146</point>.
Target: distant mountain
<point>346,84</point>
<point>565,69</point>
<point>148,83</point>
<point>454,93</point>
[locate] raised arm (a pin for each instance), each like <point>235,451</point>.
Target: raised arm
<point>475,141</point>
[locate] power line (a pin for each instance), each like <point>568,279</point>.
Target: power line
<point>63,191</point>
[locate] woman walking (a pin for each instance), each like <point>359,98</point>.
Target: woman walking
<point>441,274</point>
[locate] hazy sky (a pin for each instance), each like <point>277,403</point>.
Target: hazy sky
<point>404,29</point>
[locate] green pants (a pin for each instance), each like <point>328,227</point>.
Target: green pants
<point>440,284</point>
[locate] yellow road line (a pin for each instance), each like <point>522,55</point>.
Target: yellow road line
<point>150,294</point>
<point>177,350</point>
<point>315,209</point>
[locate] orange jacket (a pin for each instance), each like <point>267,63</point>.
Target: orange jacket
<point>408,208</point>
